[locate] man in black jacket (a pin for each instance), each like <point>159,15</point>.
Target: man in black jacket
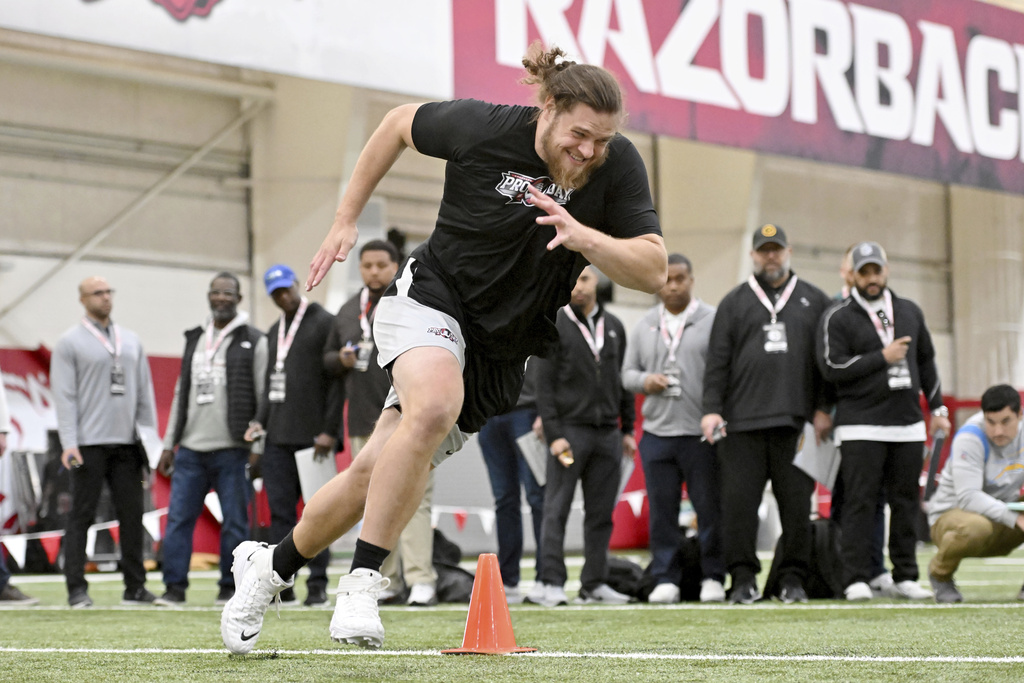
<point>876,349</point>
<point>762,379</point>
<point>582,404</point>
<point>300,408</point>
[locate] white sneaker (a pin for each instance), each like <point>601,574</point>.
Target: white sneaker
<point>712,590</point>
<point>664,594</point>
<point>602,594</point>
<point>883,585</point>
<point>422,595</point>
<point>256,586</point>
<point>912,590</point>
<point>513,595</point>
<point>554,596</point>
<point>356,619</point>
<point>536,594</point>
<point>858,592</point>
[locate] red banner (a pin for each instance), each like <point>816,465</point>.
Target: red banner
<point>927,88</point>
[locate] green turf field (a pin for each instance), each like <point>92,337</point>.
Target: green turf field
<point>883,640</point>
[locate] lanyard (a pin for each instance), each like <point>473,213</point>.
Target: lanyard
<point>284,343</point>
<point>212,346</point>
<point>780,304</point>
<point>883,320</point>
<point>364,312</point>
<point>595,346</point>
<point>673,342</point>
<point>115,348</point>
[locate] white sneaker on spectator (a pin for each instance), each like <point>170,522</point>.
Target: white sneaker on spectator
<point>256,586</point>
<point>536,594</point>
<point>602,594</point>
<point>554,596</point>
<point>712,590</point>
<point>664,594</point>
<point>912,590</point>
<point>356,618</point>
<point>513,595</point>
<point>858,592</point>
<point>422,595</point>
<point>883,585</point>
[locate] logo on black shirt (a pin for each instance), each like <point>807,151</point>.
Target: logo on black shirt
<point>513,185</point>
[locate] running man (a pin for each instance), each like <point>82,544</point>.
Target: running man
<point>531,196</point>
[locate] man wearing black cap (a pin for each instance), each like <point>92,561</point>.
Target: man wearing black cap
<point>300,408</point>
<point>762,380</point>
<point>876,349</point>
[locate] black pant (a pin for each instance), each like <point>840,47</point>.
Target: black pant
<point>281,480</point>
<point>748,460</point>
<point>598,465</point>
<point>866,467</point>
<point>121,467</point>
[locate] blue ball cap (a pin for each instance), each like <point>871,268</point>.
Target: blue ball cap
<point>278,276</point>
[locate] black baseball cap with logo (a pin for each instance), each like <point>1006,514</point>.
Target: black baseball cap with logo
<point>770,234</point>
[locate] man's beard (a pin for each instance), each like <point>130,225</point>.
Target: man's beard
<point>775,274</point>
<point>562,173</point>
<point>224,315</point>
<point>872,297</point>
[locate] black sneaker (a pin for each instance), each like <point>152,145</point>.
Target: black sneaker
<point>287,597</point>
<point>224,594</point>
<point>1020,596</point>
<point>139,596</point>
<point>10,595</point>
<point>172,597</point>
<point>744,593</point>
<point>315,595</point>
<point>79,599</point>
<point>792,591</point>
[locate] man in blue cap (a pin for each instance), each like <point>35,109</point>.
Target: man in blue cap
<point>301,408</point>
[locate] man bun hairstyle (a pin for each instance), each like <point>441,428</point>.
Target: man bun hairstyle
<point>998,397</point>
<point>569,83</point>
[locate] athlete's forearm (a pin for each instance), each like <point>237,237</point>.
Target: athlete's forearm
<point>638,262</point>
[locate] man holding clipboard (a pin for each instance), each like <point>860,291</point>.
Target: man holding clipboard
<point>300,407</point>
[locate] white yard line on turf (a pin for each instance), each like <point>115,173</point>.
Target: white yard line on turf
<point>768,605</point>
<point>543,655</point>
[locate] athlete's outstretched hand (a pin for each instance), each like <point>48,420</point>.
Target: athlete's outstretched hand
<point>336,247</point>
<point>569,232</point>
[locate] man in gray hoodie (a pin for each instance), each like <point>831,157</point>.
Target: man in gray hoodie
<point>665,361</point>
<point>969,514</point>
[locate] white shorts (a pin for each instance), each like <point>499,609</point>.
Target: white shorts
<point>401,324</point>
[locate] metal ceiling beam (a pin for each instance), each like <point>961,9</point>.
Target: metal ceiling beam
<point>145,198</point>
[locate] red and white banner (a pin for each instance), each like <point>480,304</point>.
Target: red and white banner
<point>928,88</point>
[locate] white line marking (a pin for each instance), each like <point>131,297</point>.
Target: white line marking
<point>544,655</point>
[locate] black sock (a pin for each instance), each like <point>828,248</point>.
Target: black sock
<point>287,558</point>
<point>369,556</point>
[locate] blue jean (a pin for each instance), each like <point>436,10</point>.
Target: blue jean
<point>668,462</point>
<point>507,468</point>
<point>194,475</point>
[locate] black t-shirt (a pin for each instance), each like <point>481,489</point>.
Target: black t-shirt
<point>487,263</point>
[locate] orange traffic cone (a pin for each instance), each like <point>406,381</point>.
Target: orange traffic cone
<point>489,625</point>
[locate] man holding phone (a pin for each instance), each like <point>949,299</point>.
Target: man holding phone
<point>875,347</point>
